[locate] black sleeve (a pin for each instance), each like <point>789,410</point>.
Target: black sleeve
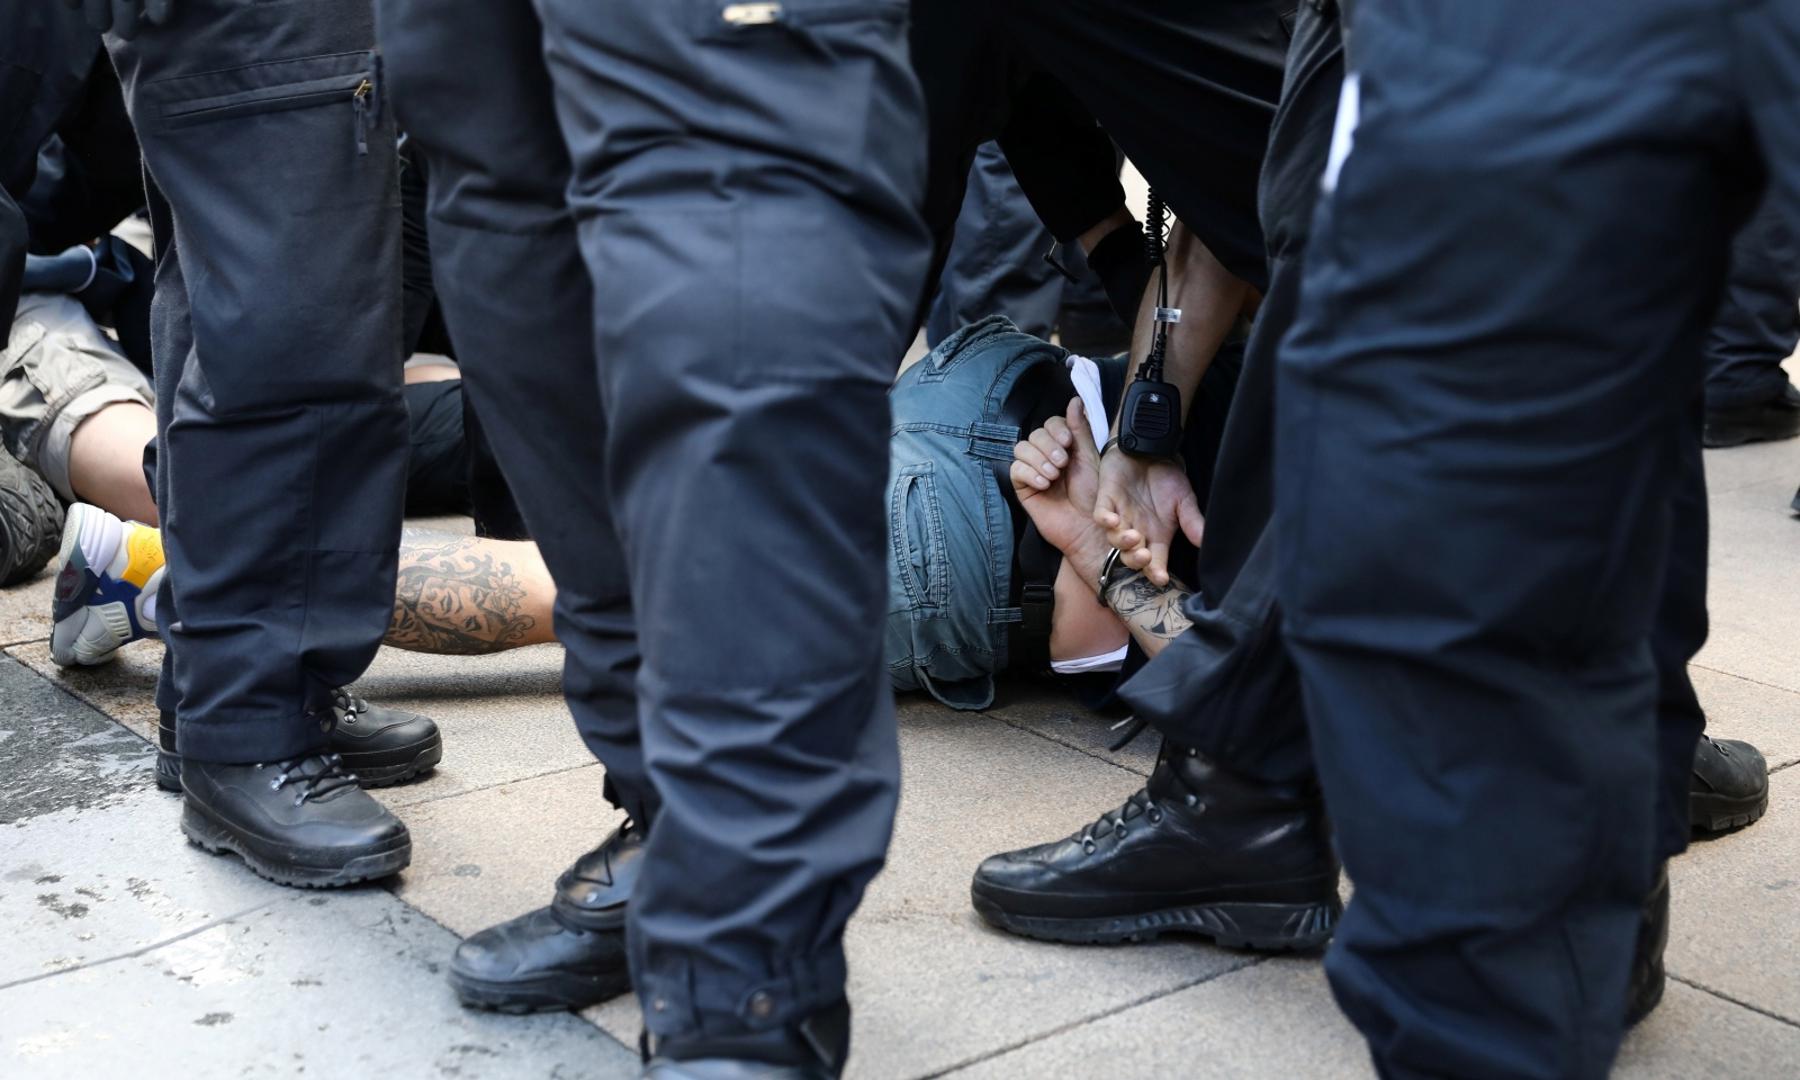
<point>1067,166</point>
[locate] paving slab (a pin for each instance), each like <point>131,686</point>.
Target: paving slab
<point>1277,1019</point>
<point>932,985</point>
<point>123,688</point>
<point>488,855</point>
<point>1050,712</point>
<point>341,984</point>
<point>1740,467</point>
<point>1735,908</point>
<point>83,884</point>
<point>1740,708</point>
<point>1751,587</point>
<point>56,752</point>
<point>25,608</point>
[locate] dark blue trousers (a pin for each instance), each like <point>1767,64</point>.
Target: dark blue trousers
<point>679,283</point>
<point>276,340</point>
<point>1758,323</point>
<point>1485,448</point>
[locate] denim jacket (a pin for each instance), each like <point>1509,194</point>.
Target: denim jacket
<point>950,546</point>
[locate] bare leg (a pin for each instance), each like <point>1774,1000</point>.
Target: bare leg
<point>106,461</point>
<point>467,595</point>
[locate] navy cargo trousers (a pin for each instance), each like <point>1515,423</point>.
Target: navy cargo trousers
<point>275,333</point>
<point>679,246</point>
<point>1486,426</point>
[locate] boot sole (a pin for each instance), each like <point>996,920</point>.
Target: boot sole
<point>1710,813</point>
<point>1724,436</point>
<point>422,761</point>
<point>555,992</point>
<point>280,865</point>
<point>1262,927</point>
<point>168,769</point>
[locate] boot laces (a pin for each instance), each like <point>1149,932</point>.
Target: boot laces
<point>313,776</point>
<point>348,706</point>
<point>1113,822</point>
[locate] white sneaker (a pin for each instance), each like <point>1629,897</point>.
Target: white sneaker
<point>106,587</point>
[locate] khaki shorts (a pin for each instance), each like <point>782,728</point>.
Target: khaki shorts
<point>58,369</point>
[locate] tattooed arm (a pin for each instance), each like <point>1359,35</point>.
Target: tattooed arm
<point>1151,612</point>
<point>465,595</point>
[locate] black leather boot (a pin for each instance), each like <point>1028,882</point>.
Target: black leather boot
<point>1776,418</point>
<point>566,956</point>
<point>1645,990</point>
<point>814,1049</point>
<point>1730,785</point>
<point>382,746</point>
<point>297,822</point>
<point>1197,850</point>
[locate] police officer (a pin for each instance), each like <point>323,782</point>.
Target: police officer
<point>1748,395</point>
<point>703,218</point>
<point>282,433</point>
<point>1484,416</point>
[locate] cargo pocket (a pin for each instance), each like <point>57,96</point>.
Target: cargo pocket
<point>284,181</point>
<point>921,562</point>
<point>43,373</point>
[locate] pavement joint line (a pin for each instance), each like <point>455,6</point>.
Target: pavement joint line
<point>152,947</point>
<point>1002,1051</point>
<point>1009,722</point>
<point>1739,1002</point>
<point>22,641</point>
<point>1746,678</point>
<point>407,808</point>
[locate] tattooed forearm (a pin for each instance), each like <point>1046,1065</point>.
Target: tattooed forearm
<point>1151,612</point>
<point>453,597</point>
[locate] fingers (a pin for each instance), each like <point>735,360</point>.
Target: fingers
<point>1049,445</point>
<point>1026,478</point>
<point>1030,455</point>
<point>1081,433</point>
<point>1193,523</point>
<point>1157,569</point>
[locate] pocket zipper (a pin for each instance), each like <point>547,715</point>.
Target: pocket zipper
<point>359,102</point>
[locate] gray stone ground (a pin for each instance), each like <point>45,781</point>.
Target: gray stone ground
<point>127,952</point>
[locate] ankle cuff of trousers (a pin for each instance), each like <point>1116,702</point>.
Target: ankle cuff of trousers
<point>247,740</point>
<point>686,997</point>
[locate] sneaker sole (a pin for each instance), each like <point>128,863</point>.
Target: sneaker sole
<point>1710,813</point>
<point>168,769</point>
<point>558,992</point>
<point>1262,927</point>
<point>206,832</point>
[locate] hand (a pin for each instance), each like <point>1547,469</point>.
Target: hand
<point>1139,505</point>
<point>1055,476</point>
<point>122,17</point>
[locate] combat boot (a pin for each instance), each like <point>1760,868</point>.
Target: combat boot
<point>382,746</point>
<point>1729,787</point>
<point>1197,850</point>
<point>566,956</point>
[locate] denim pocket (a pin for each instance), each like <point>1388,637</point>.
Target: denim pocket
<point>920,559</point>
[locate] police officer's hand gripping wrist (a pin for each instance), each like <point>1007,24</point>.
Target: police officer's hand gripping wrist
<point>122,17</point>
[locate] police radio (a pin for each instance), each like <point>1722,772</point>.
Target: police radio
<point>1150,417</point>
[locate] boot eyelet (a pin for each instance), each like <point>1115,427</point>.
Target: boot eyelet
<point>1088,846</point>
<point>1121,832</point>
<point>1155,816</point>
<point>1193,800</point>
